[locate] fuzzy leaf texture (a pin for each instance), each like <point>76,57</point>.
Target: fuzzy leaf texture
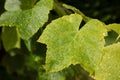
<point>109,68</point>
<point>28,21</point>
<point>67,45</point>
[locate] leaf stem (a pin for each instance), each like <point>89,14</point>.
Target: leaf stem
<point>117,38</point>
<point>85,18</point>
<point>58,8</point>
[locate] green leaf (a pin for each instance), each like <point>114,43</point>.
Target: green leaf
<point>28,44</point>
<point>10,38</point>
<point>28,21</point>
<point>115,27</point>
<point>33,61</point>
<point>111,38</point>
<point>67,45</point>
<point>56,76</point>
<point>19,4</point>
<point>109,68</point>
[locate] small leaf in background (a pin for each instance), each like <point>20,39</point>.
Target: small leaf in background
<point>28,21</point>
<point>111,38</point>
<point>115,27</point>
<point>33,61</point>
<point>67,45</point>
<point>56,76</point>
<point>10,38</point>
<point>109,68</point>
<point>52,76</point>
<point>28,44</point>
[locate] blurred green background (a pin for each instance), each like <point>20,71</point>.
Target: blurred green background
<point>107,11</point>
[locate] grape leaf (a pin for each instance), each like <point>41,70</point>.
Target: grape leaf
<point>10,38</point>
<point>109,68</point>
<point>19,4</point>
<point>67,45</point>
<point>28,21</point>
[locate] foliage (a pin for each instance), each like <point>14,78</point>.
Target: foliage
<point>50,40</point>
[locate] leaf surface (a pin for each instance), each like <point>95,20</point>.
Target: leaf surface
<point>19,4</point>
<point>28,21</point>
<point>10,38</point>
<point>109,68</point>
<point>67,45</point>
<point>115,27</point>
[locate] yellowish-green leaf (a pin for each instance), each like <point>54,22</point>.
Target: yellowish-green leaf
<point>109,68</point>
<point>10,38</point>
<point>67,45</point>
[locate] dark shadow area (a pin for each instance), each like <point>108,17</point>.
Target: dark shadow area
<point>106,10</point>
